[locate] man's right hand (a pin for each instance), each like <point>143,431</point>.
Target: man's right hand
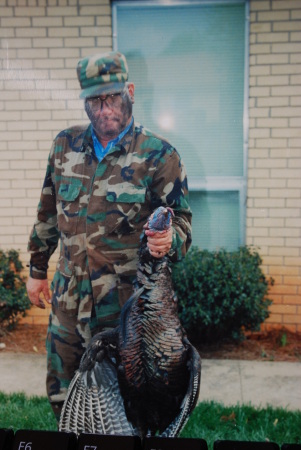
<point>34,289</point>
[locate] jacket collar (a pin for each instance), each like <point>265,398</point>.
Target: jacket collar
<point>123,145</point>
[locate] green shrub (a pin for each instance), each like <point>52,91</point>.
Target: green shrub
<point>221,293</point>
<point>13,296</point>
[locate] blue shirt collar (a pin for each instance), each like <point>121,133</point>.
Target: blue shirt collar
<point>100,151</point>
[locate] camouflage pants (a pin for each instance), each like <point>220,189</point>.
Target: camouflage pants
<point>66,342</point>
<point>67,336</point>
<point>67,339</point>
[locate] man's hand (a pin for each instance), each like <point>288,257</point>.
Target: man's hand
<point>35,288</point>
<point>159,243</point>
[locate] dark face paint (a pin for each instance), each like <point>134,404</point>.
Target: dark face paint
<point>108,122</point>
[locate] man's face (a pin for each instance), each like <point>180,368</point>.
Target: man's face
<point>110,115</point>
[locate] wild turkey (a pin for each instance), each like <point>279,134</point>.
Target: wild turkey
<point>142,377</point>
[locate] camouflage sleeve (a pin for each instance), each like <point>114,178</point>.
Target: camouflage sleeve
<point>169,188</point>
<point>44,236</point>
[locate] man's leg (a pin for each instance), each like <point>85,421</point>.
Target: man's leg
<point>66,342</point>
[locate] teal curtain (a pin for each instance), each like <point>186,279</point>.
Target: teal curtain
<point>187,62</point>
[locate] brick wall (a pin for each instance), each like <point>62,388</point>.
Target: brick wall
<point>41,42</point>
<point>274,190</point>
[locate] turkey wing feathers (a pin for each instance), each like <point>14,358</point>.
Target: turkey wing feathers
<point>190,400</point>
<point>94,403</point>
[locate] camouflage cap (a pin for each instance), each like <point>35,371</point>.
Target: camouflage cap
<point>102,73</point>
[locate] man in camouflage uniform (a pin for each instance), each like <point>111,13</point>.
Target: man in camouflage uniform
<point>101,184</point>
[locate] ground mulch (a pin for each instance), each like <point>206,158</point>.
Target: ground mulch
<point>25,338</point>
<point>275,345</point>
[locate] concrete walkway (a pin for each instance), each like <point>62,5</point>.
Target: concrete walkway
<point>258,383</point>
<point>229,382</point>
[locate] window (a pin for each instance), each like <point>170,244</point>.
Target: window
<point>188,62</point>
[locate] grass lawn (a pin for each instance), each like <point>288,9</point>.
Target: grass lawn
<point>17,411</point>
<point>210,420</point>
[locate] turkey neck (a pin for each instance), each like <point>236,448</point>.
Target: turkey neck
<point>158,301</point>
<point>157,305</point>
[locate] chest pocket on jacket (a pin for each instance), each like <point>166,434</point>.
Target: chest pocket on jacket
<point>68,207</point>
<point>124,208</point>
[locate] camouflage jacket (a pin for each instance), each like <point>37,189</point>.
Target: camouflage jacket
<point>98,210</point>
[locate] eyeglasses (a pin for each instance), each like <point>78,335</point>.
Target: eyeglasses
<point>111,100</point>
